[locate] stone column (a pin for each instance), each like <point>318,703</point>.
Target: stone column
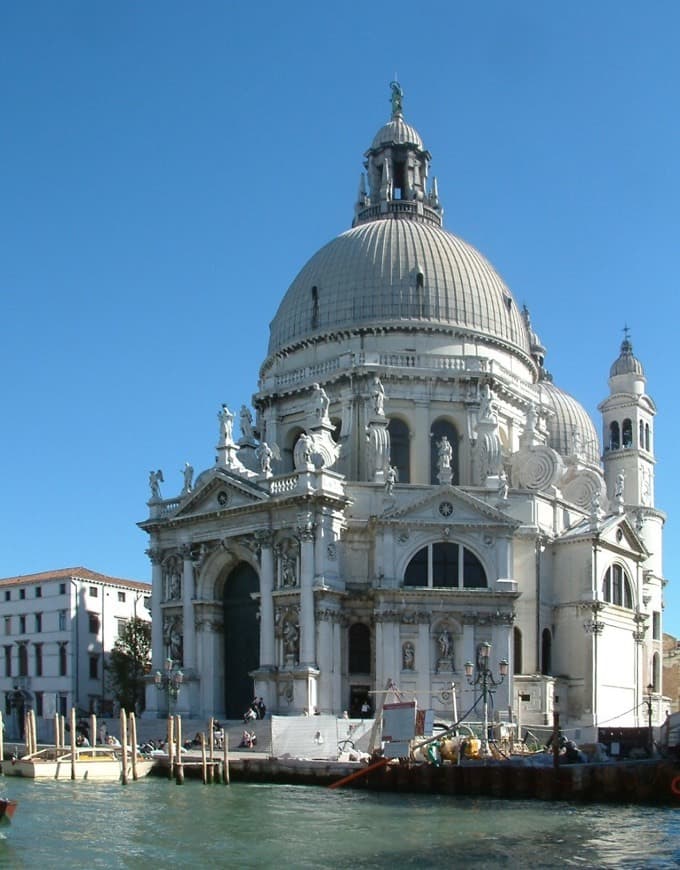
<point>267,650</point>
<point>307,622</point>
<point>320,551</point>
<point>326,617</point>
<point>468,692</point>
<point>423,661</point>
<point>380,677</point>
<point>420,444</point>
<point>337,702</point>
<point>155,554</point>
<point>189,639</point>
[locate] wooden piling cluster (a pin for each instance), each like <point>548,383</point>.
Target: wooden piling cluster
<point>213,769</point>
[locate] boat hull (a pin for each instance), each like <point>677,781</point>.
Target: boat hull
<point>650,782</point>
<point>95,769</point>
<point>7,810</point>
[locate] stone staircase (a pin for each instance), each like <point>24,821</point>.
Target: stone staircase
<point>156,729</point>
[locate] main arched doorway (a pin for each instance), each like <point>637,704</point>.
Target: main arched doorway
<point>241,639</point>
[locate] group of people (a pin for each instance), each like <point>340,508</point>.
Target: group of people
<point>248,740</point>
<point>257,710</point>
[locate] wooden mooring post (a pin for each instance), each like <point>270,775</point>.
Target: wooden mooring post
<point>204,760</point>
<point>225,769</point>
<point>171,747</point>
<point>73,742</point>
<point>133,744</point>
<point>124,742</point>
<point>178,744</point>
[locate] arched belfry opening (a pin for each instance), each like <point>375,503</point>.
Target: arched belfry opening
<point>241,639</point>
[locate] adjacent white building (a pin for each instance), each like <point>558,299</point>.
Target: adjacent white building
<point>412,485</point>
<point>57,628</point>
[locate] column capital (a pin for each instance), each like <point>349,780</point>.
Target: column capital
<point>264,537</point>
<point>306,526</point>
<point>155,555</point>
<point>185,552</point>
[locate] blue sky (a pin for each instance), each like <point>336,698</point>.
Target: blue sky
<point>167,168</point>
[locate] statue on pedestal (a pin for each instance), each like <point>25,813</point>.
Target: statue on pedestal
<point>226,419</point>
<point>188,474</point>
<point>246,421</point>
<point>378,396</point>
<point>155,480</point>
<point>321,402</point>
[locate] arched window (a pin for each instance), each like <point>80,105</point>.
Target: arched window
<point>642,435</point>
<point>656,673</point>
<point>516,651</point>
<point>627,433</point>
<point>400,449</point>
<point>614,438</point>
<point>439,429</point>
<point>287,460</point>
<point>546,652</point>
<point>647,441</point>
<point>359,649</point>
<point>445,565</point>
<point>617,588</point>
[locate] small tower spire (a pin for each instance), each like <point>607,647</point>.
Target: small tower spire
<point>397,172</point>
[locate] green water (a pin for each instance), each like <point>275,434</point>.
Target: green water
<point>155,823</point>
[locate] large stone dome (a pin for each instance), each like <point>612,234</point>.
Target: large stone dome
<point>397,268</point>
<point>394,273</point>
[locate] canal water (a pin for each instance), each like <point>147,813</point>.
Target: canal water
<point>155,823</point>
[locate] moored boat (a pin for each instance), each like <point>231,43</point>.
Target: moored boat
<point>96,763</point>
<point>7,810</point>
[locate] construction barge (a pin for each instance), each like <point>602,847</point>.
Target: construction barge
<point>646,781</point>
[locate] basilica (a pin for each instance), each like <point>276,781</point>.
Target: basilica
<point>409,487</point>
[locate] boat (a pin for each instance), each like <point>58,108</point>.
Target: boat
<point>7,810</point>
<point>96,763</point>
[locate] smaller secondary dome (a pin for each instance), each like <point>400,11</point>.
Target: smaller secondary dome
<point>626,363</point>
<point>570,428</point>
<point>396,132</point>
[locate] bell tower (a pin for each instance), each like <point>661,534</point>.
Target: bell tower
<point>628,432</point>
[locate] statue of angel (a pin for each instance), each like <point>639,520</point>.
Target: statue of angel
<point>246,420</point>
<point>155,480</point>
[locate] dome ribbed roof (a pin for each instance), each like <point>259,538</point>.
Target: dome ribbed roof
<point>626,363</point>
<point>395,272</point>
<point>396,132</point>
<point>570,426</point>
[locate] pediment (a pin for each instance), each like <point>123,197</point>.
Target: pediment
<point>448,505</point>
<point>219,489</point>
<point>615,532</point>
<point>620,534</point>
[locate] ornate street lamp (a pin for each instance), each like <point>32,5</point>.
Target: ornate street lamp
<point>169,682</point>
<point>488,683</point>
